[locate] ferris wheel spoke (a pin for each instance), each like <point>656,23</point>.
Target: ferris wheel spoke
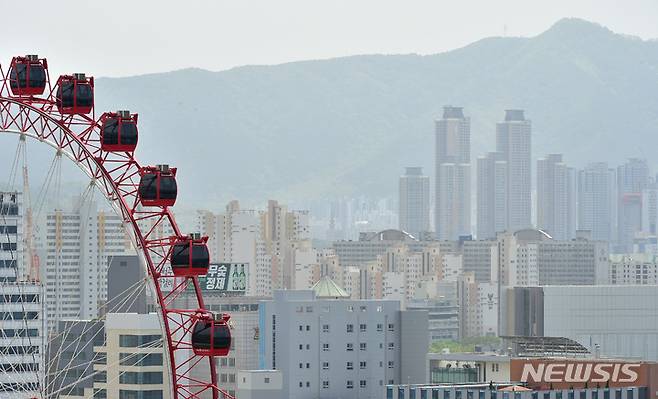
<point>78,135</point>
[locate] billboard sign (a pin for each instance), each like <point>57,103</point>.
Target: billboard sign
<point>226,277</point>
<point>564,374</point>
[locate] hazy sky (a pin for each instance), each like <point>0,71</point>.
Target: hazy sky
<point>122,37</point>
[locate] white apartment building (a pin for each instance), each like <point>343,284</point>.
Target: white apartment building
<point>265,240</point>
<point>78,246</point>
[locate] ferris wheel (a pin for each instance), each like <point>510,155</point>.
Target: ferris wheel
<point>62,115</point>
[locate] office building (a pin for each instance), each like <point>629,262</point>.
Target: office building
<point>614,321</point>
<point>373,244</point>
<point>443,316</point>
<point>597,201</point>
<point>633,269</point>
<point>22,339</point>
<point>556,197</point>
<point>414,202</point>
<point>71,358</point>
<point>327,347</point>
<point>260,384</point>
<point>514,143</point>
<point>531,257</point>
<point>453,175</point>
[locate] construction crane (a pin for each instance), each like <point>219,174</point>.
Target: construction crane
<point>31,257</point>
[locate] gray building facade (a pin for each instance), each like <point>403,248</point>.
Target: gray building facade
<point>335,348</point>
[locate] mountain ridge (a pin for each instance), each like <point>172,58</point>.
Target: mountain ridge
<point>347,126</point>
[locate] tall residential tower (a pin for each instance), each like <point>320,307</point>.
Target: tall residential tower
<point>556,197</point>
<point>453,174</point>
<point>414,201</point>
<point>514,143</point>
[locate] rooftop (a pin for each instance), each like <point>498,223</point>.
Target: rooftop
<point>327,288</point>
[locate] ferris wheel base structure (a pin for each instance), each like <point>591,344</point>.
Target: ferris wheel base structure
<point>63,116</point>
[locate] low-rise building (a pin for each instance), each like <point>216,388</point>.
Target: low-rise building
<point>329,346</point>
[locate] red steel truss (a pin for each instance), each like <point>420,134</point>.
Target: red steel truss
<point>153,230</point>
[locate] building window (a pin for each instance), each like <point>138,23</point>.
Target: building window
<point>301,365</point>
<point>380,327</point>
<point>350,308</point>
<point>362,365</point>
<point>350,347</point>
<point>391,345</point>
<point>325,347</point>
<point>301,384</point>
<point>362,346</point>
<point>325,365</point>
<point>391,364</point>
<point>231,362</point>
<point>391,327</point>
<point>364,308</point>
<point>350,384</point>
<point>308,346</point>
<point>325,384</point>
<point>300,309</point>
<point>379,308</point>
<point>308,384</point>
<point>309,309</point>
<point>362,383</point>
<point>301,347</point>
<point>308,365</point>
<point>301,328</point>
<point>362,327</point>
<point>350,328</point>
<point>266,379</point>
<point>308,328</point>
<point>325,328</point>
<point>350,366</point>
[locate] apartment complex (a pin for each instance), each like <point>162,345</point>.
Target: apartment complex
<point>260,239</point>
<point>79,245</point>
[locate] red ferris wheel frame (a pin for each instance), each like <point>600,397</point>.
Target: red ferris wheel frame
<point>116,174</point>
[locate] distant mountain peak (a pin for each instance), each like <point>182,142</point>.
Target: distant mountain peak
<point>576,26</point>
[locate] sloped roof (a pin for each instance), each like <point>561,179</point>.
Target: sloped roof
<point>327,288</point>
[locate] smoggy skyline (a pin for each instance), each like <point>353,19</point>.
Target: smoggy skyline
<point>217,35</point>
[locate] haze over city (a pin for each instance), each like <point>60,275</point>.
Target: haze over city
<point>374,199</point>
